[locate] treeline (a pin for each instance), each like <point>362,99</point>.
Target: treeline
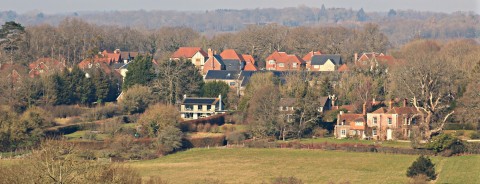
<point>74,40</point>
<point>399,25</point>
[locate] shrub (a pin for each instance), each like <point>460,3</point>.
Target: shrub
<point>102,112</point>
<point>201,142</point>
<point>235,137</point>
<point>63,111</point>
<point>157,118</point>
<point>287,180</point>
<point>475,135</point>
<point>170,139</point>
<point>445,141</point>
<point>419,179</point>
<point>320,132</point>
<point>136,99</point>
<point>207,127</point>
<point>423,165</point>
<point>215,129</point>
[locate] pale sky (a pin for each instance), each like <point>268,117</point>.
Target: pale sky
<point>67,6</point>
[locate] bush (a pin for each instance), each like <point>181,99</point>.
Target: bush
<point>63,111</point>
<point>446,141</point>
<point>170,139</point>
<point>235,137</point>
<point>103,112</point>
<point>136,99</point>
<point>287,180</point>
<point>201,142</point>
<point>423,165</point>
<point>320,132</point>
<point>475,135</point>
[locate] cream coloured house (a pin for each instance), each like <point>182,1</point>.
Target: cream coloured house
<point>200,107</point>
<point>325,62</point>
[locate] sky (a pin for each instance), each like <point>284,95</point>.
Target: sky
<point>68,6</point>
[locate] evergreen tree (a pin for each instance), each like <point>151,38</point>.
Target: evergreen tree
<point>213,89</point>
<point>361,16</point>
<point>140,71</point>
<point>102,85</point>
<point>326,88</point>
<point>423,165</point>
<point>86,91</point>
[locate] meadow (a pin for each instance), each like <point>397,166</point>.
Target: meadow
<point>245,165</point>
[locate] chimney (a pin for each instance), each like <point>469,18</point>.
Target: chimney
<point>356,57</point>
<point>364,112</point>
<point>390,104</point>
<point>341,112</point>
<point>210,53</point>
<point>220,102</point>
<point>184,96</point>
<point>405,102</point>
<point>373,101</point>
<point>214,52</point>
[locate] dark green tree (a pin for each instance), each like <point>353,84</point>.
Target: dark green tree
<point>86,91</point>
<point>102,84</point>
<point>361,16</point>
<point>214,88</point>
<point>392,13</point>
<point>326,87</point>
<point>423,165</point>
<point>177,78</point>
<point>140,71</point>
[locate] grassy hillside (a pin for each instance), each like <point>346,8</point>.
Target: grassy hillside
<point>312,166</point>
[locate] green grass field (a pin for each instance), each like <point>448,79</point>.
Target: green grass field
<point>242,165</point>
<point>353,141</point>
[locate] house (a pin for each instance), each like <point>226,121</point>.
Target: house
<point>214,62</point>
<point>373,60</point>
<point>343,68</point>
<point>194,54</point>
<point>287,108</point>
<point>128,56</point>
<point>326,103</point>
<point>325,62</point>
<point>13,72</point>
<point>45,66</point>
<point>232,60</point>
<point>200,107</point>
<point>351,125</point>
<point>249,63</point>
<point>393,123</point>
<point>232,78</point>
<point>281,61</point>
<point>111,57</point>
<point>308,58</point>
<point>91,64</point>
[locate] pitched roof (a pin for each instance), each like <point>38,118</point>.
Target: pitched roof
<point>343,68</point>
<point>88,64</point>
<point>322,59</point>
<point>351,117</point>
<point>276,55</point>
<point>287,102</point>
<point>200,100</point>
<point>381,110</point>
<point>45,65</point>
<point>231,54</point>
<point>233,64</point>
<point>188,52</point>
<point>308,56</point>
<point>245,77</point>
<point>323,100</point>
<point>403,110</point>
<point>248,58</point>
<point>222,75</point>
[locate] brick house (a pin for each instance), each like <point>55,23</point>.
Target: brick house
<point>281,61</point>
<point>308,58</point>
<point>214,62</point>
<point>351,125</point>
<point>194,54</point>
<point>45,66</point>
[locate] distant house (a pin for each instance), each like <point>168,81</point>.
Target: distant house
<point>249,63</point>
<point>200,107</point>
<point>326,62</point>
<point>373,60</point>
<point>281,61</point>
<point>326,103</point>
<point>111,57</point>
<point>232,78</point>
<point>393,123</point>
<point>351,125</point>
<point>45,66</point>
<point>194,54</point>
<point>128,56</point>
<point>287,108</point>
<point>214,62</point>
<point>14,73</point>
<point>232,60</point>
<point>308,58</point>
<point>89,64</point>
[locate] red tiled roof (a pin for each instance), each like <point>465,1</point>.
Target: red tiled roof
<point>276,55</point>
<point>309,56</point>
<point>250,67</point>
<point>188,52</point>
<point>231,54</point>
<point>343,68</point>
<point>382,110</point>
<point>45,65</point>
<point>403,110</point>
<point>88,64</point>
<point>248,58</point>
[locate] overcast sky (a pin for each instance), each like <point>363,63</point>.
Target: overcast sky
<point>65,6</point>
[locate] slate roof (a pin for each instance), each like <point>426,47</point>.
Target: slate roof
<point>222,74</point>
<point>322,59</point>
<point>323,100</point>
<point>233,64</point>
<point>308,56</point>
<point>245,76</point>
<point>200,101</point>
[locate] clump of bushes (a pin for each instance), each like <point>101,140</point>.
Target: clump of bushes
<point>103,112</point>
<point>63,111</point>
<point>422,166</point>
<point>235,137</point>
<point>447,144</point>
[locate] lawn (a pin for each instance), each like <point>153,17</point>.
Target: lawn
<point>353,141</point>
<point>80,135</point>
<point>243,165</point>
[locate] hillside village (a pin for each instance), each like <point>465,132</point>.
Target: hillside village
<point>138,105</point>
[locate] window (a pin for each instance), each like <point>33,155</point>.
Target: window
<point>316,66</point>
<point>200,107</point>
<point>281,65</point>
<point>405,121</point>
<point>188,107</point>
<point>271,62</point>
<point>209,107</point>
<point>232,83</point>
<point>389,121</point>
<point>197,61</point>
<point>344,132</point>
<point>374,132</point>
<point>358,123</point>
<point>294,65</point>
<point>374,120</point>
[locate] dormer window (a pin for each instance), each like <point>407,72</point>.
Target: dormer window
<point>281,65</point>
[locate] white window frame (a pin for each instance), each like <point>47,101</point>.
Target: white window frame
<point>316,66</point>
<point>271,62</point>
<point>374,132</point>
<point>343,132</point>
<point>294,65</point>
<point>358,123</point>
<point>281,65</point>
<point>374,120</point>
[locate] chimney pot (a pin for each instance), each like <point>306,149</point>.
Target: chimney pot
<point>364,109</point>
<point>405,102</point>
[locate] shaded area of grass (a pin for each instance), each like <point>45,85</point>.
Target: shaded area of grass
<point>353,141</point>
<point>257,165</point>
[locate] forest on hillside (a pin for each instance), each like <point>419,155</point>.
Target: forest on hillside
<point>400,26</point>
